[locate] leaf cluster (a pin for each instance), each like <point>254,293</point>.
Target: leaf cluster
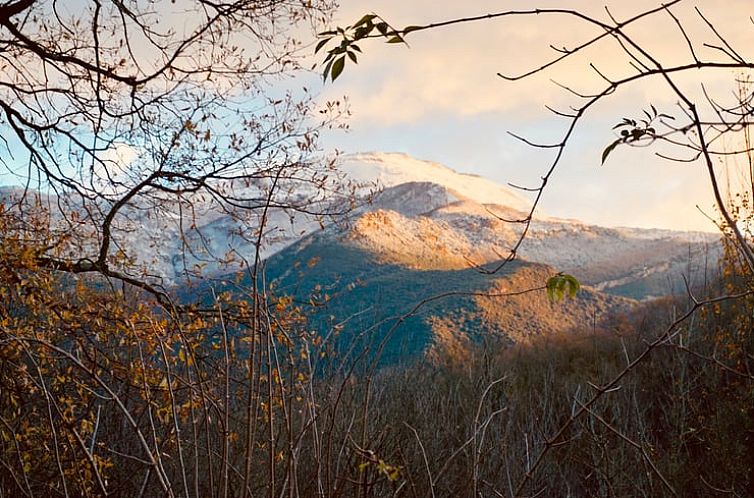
<point>633,131</point>
<point>369,26</point>
<point>562,285</point>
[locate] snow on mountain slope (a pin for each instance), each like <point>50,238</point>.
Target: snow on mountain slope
<point>391,169</point>
<point>167,239</point>
<point>444,224</point>
<point>405,185</point>
<point>424,216</point>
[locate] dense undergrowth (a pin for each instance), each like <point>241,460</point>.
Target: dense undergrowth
<point>680,423</point>
<point>105,394</point>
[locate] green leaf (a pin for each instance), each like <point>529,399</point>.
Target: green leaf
<point>352,56</point>
<point>573,285</point>
<point>326,72</point>
<point>562,285</point>
<point>364,20</point>
<point>409,29</point>
<point>321,44</point>
<point>609,149</point>
<point>337,68</point>
<point>362,32</point>
<point>396,39</point>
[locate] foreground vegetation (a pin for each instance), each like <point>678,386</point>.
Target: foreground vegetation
<point>103,393</point>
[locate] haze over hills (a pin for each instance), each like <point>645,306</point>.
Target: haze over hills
<point>418,229</point>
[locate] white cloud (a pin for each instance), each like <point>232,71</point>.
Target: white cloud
<point>114,173</point>
<point>453,70</point>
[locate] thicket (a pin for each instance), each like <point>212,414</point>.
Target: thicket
<point>102,394</point>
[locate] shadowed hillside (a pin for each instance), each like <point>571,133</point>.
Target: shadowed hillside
<point>346,290</point>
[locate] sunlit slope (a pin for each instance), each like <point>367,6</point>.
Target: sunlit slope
<point>412,213</point>
<point>348,291</point>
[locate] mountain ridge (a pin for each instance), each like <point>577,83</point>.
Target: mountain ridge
<point>412,212</point>
<point>345,290</point>
<point>402,267</point>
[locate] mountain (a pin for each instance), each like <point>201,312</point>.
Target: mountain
<point>420,242</point>
<point>406,211</point>
<point>430,217</point>
<point>393,169</point>
<point>349,291</point>
<point>418,230</point>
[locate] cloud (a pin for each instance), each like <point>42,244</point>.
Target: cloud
<point>440,99</point>
<point>115,173</point>
<point>452,70</point>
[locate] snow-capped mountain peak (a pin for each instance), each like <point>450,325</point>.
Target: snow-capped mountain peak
<point>424,216</point>
<point>392,169</point>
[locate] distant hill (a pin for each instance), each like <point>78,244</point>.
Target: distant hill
<point>368,299</point>
<point>418,230</point>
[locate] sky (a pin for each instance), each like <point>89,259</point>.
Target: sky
<point>440,99</point>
